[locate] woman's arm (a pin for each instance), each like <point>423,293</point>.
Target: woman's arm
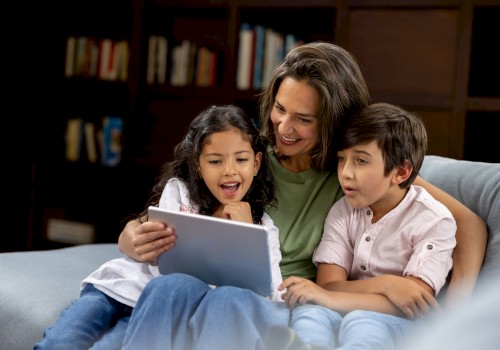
<point>145,241</point>
<point>469,252</point>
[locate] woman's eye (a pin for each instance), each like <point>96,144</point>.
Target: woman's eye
<point>214,161</point>
<point>279,108</point>
<point>362,161</point>
<point>241,160</point>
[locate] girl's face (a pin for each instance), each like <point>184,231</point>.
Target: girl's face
<point>228,165</point>
<point>361,175</point>
<point>294,116</point>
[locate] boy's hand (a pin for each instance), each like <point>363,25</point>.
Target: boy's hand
<point>410,296</point>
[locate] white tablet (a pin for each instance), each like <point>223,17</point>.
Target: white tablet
<point>217,251</point>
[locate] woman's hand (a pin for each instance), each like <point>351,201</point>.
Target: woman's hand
<point>146,241</point>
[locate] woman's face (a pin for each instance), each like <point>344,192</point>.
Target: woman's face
<point>294,116</point>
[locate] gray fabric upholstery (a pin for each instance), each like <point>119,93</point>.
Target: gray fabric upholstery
<point>36,286</point>
<point>477,185</point>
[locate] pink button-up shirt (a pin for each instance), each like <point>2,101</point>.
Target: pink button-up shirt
<point>416,238</point>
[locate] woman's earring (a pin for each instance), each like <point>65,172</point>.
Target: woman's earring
<point>255,173</point>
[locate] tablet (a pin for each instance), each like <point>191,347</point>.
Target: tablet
<point>217,251</point>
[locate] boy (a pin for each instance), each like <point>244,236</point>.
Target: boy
<point>384,234</point>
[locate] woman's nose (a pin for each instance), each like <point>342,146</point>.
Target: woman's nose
<point>285,126</point>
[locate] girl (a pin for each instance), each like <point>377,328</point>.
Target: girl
<point>220,168</point>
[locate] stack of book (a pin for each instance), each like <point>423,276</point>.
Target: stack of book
<point>190,64</point>
<point>261,49</point>
<point>103,59</point>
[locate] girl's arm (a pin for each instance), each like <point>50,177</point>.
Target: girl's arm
<point>469,252</point>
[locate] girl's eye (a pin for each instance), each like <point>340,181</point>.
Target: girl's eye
<point>341,158</point>
<point>214,161</point>
<point>242,160</point>
<point>362,161</point>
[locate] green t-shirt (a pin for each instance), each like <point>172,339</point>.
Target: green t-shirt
<point>304,200</point>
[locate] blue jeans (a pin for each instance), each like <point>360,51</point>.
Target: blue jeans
<point>179,312</point>
<point>358,329</point>
<point>94,321</point>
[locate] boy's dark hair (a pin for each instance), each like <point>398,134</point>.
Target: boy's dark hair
<point>186,161</point>
<point>336,75</point>
<point>400,135</point>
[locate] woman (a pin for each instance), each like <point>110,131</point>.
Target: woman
<point>316,89</point>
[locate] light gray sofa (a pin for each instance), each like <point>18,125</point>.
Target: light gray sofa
<point>36,286</point>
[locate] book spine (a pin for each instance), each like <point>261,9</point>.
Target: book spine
<point>258,57</point>
<point>243,72</point>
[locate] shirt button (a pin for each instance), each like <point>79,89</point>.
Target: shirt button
<point>368,212</point>
<point>367,239</point>
<point>429,246</point>
<point>363,267</point>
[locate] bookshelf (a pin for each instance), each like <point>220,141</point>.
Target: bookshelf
<point>433,57</point>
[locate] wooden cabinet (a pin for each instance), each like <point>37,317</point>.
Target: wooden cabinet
<point>437,58</point>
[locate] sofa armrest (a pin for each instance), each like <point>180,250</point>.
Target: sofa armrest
<point>477,185</point>
<point>37,285</point>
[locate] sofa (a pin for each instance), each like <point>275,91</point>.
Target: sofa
<point>35,286</point>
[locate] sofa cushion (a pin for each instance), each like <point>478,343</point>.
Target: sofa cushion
<point>38,285</point>
<point>477,185</point>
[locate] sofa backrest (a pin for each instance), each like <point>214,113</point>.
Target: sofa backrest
<point>477,185</point>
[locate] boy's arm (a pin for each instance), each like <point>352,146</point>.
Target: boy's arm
<point>469,252</point>
<point>409,295</point>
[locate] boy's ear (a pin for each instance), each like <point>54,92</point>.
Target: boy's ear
<point>403,172</point>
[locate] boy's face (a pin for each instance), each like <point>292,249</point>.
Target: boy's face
<point>228,165</point>
<point>361,175</point>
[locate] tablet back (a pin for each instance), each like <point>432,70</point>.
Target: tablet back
<point>217,251</point>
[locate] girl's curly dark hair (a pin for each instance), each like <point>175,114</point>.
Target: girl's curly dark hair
<point>186,162</point>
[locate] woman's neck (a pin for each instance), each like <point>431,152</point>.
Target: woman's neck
<point>295,164</point>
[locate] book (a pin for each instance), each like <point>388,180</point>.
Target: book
<point>80,55</point>
<point>244,63</point>
<point>105,59</point>
<point>90,142</point>
<point>161,59</point>
<point>112,128</point>
<point>152,57</point>
<point>73,139</point>
<point>70,57</point>
<point>121,61</point>
<point>258,57</point>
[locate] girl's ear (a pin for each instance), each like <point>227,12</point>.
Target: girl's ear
<point>403,172</point>
<point>258,162</point>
